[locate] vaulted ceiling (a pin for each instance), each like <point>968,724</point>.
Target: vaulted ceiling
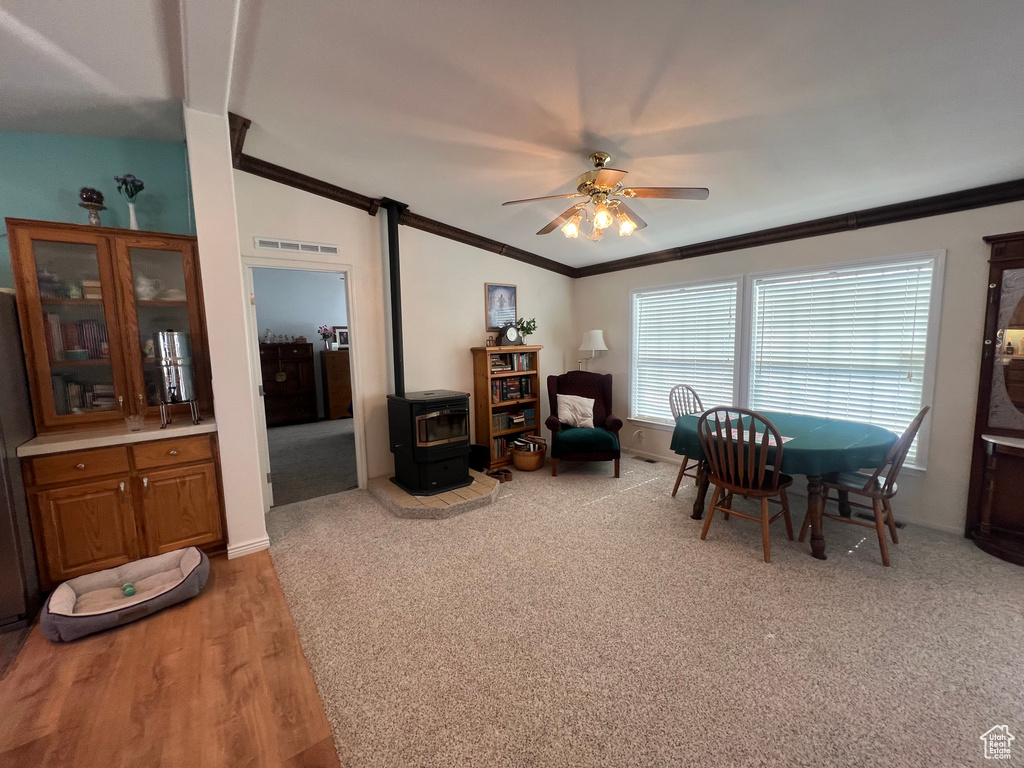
<point>787,111</point>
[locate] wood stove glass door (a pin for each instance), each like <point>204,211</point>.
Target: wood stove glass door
<point>440,427</point>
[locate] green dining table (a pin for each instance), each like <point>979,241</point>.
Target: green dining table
<point>816,446</point>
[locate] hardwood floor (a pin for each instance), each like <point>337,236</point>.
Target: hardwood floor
<point>217,681</point>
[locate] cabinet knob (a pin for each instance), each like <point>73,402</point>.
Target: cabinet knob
<point>174,452</point>
<point>79,466</point>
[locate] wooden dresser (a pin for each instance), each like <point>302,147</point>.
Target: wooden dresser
<point>289,383</point>
<point>336,379</point>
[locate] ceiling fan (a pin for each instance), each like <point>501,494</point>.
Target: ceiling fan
<point>603,189</point>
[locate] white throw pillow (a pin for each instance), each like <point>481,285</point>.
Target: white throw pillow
<point>576,411</point>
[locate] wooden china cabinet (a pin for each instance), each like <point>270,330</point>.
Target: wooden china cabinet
<point>995,514</point>
<point>90,300</point>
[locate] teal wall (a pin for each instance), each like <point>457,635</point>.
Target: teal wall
<point>41,173</point>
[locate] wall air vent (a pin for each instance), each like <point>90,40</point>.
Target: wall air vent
<point>267,244</point>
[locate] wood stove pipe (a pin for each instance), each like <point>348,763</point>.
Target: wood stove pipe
<point>394,210</point>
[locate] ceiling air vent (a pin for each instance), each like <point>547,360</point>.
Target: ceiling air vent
<point>267,244</point>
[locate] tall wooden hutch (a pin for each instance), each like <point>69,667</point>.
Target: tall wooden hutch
<point>995,514</point>
<point>89,301</point>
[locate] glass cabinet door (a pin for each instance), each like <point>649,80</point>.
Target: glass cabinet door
<point>1006,404</point>
<point>161,285</point>
<point>77,356</point>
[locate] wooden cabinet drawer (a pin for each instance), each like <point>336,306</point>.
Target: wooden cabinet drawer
<point>300,350</point>
<point>167,453</point>
<point>64,468</point>
<point>337,364</point>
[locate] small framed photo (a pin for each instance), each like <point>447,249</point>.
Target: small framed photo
<point>499,305</point>
<point>341,336</point>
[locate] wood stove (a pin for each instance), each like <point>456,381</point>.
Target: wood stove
<point>430,440</point>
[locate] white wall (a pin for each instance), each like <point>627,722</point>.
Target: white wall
<point>443,311</point>
<point>269,209</point>
<point>296,303</point>
<point>209,154</point>
<point>442,297</point>
<point>936,497</point>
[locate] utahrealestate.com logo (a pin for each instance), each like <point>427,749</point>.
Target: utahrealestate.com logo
<point>997,742</point>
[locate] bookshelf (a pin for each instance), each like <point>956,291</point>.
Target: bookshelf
<point>506,397</point>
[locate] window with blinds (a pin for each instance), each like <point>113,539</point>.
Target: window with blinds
<point>848,343</point>
<point>684,335</point>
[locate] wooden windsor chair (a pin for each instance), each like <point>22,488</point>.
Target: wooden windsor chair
<point>736,444</point>
<point>879,487</point>
<point>684,400</point>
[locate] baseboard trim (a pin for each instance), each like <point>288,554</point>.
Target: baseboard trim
<point>248,547</point>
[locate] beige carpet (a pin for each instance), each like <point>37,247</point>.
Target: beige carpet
<point>579,621</point>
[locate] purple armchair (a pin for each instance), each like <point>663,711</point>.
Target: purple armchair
<point>600,443</point>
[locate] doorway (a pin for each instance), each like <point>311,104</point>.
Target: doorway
<point>309,431</point>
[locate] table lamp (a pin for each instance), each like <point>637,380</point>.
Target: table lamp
<point>593,342</point>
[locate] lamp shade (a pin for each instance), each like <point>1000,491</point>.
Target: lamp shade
<point>593,341</point>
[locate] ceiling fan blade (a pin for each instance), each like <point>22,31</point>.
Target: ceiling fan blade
<point>640,223</point>
<point>555,224</point>
<point>672,193</point>
<point>609,177</point>
<point>549,197</point>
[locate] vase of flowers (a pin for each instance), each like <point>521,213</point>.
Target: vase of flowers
<point>130,186</point>
<point>326,334</point>
<point>526,327</point>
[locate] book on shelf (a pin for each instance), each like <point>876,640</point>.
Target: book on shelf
<point>70,396</point>
<point>529,417</point>
<point>521,361</point>
<point>499,364</point>
<point>528,445</point>
<point>91,289</point>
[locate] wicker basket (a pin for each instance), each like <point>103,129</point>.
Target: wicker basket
<point>528,461</point>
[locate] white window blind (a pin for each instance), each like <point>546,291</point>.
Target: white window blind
<point>848,343</point>
<point>683,335</point>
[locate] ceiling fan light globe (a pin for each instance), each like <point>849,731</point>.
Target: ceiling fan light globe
<point>626,225</point>
<point>602,217</point>
<point>572,226</point>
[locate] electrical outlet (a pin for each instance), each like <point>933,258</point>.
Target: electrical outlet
<point>638,439</point>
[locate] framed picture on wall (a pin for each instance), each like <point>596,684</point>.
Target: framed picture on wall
<point>499,305</point>
<point>341,335</point>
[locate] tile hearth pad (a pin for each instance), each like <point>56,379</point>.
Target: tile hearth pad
<point>481,492</point>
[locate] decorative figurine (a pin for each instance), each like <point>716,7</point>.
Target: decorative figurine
<point>92,201</point>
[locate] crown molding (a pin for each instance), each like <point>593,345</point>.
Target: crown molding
<point>937,205</point>
<point>238,127</point>
<point>964,200</point>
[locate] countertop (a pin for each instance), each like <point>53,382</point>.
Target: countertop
<point>1013,442</point>
<point>101,437</point>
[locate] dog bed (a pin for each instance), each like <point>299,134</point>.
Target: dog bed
<point>96,601</point>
